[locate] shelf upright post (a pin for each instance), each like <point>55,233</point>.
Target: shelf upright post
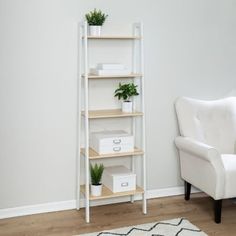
<point>78,124</point>
<point>143,121</point>
<point>139,28</point>
<point>133,119</point>
<point>87,210</point>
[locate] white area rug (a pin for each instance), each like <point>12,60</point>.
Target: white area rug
<point>175,227</point>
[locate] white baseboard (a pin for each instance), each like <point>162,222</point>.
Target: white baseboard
<point>35,209</point>
<point>68,205</point>
<point>167,192</point>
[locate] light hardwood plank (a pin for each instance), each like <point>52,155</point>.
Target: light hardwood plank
<point>132,75</point>
<point>111,113</point>
<point>113,37</point>
<point>107,193</point>
<point>94,155</point>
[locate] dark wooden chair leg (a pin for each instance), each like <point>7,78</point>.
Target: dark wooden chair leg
<point>217,209</point>
<point>187,188</point>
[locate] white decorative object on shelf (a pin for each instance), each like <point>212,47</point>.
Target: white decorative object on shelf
<point>96,190</point>
<point>110,66</point>
<point>119,179</point>
<point>110,69</point>
<point>95,71</point>
<point>127,106</point>
<point>95,30</point>
<point>112,142</point>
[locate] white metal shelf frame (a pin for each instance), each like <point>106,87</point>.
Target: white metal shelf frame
<point>83,74</point>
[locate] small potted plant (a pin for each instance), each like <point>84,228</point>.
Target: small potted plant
<point>96,172</point>
<point>125,92</point>
<point>95,20</point>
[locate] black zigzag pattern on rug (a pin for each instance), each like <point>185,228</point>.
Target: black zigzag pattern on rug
<point>154,226</point>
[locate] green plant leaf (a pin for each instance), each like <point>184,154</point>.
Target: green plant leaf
<point>96,172</point>
<point>126,91</point>
<point>95,17</point>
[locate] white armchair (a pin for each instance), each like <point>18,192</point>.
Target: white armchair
<point>207,147</point>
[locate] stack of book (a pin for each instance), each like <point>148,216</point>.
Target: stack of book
<point>107,69</point>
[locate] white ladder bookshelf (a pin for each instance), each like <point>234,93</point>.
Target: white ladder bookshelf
<point>85,116</point>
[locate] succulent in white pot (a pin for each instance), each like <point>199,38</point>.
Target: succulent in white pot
<point>126,92</point>
<point>95,20</point>
<point>96,172</point>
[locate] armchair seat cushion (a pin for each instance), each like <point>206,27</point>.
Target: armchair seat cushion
<point>229,163</point>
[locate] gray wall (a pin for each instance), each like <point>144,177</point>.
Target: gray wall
<point>189,50</point>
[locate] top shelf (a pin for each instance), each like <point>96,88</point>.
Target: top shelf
<point>113,37</point>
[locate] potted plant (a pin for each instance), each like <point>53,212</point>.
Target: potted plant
<point>125,92</point>
<point>95,20</point>
<point>96,172</point>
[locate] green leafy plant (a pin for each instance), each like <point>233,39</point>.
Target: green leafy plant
<point>126,91</point>
<point>96,17</point>
<point>96,172</point>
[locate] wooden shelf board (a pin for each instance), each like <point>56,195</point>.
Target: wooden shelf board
<point>107,193</point>
<point>113,37</point>
<point>94,155</point>
<point>112,113</point>
<point>132,75</point>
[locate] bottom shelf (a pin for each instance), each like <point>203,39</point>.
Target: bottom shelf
<point>107,193</point>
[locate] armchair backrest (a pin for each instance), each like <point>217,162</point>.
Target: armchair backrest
<point>210,122</point>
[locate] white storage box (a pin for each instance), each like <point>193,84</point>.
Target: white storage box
<point>110,66</point>
<point>119,179</point>
<point>112,142</point>
<point>95,71</point>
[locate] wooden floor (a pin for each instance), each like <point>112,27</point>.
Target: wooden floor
<point>199,210</point>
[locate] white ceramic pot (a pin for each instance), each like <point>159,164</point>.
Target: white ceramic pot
<point>96,190</point>
<point>127,106</point>
<point>95,30</point>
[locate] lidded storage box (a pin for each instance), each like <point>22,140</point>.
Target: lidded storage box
<point>112,142</point>
<point>119,179</point>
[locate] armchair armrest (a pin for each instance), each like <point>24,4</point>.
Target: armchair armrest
<point>209,154</point>
<point>198,149</point>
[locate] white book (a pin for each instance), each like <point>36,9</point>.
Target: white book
<point>109,72</point>
<point>110,66</point>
